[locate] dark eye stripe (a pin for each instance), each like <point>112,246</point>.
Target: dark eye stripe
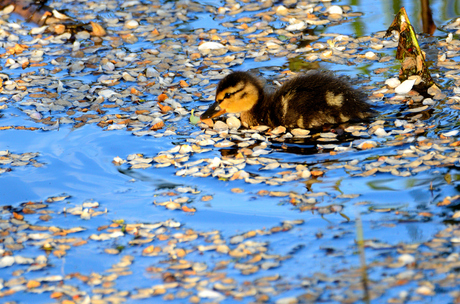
<point>229,95</point>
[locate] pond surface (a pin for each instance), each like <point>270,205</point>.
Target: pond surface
<point>99,219</point>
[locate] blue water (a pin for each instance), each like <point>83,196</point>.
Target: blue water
<point>78,162</point>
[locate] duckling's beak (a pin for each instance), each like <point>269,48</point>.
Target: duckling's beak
<point>214,111</point>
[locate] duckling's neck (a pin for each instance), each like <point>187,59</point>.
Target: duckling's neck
<point>259,113</point>
<point>248,119</point>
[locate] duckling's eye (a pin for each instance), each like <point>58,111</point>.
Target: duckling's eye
<point>227,95</point>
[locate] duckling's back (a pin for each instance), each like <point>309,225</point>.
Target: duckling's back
<point>315,100</point>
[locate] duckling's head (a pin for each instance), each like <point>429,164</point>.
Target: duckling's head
<point>237,92</point>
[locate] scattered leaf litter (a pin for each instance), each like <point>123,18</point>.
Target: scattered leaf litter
<point>161,87</point>
<point>9,160</point>
<point>194,265</point>
<point>155,75</point>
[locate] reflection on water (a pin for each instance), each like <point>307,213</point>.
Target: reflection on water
<point>378,14</point>
<point>79,162</point>
<point>427,17</point>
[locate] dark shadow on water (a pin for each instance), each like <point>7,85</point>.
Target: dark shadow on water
<point>157,182</point>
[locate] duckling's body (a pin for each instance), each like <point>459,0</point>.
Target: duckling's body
<point>308,101</point>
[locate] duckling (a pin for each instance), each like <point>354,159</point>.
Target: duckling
<point>308,101</point>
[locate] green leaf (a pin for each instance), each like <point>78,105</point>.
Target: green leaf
<point>282,37</point>
<point>194,119</point>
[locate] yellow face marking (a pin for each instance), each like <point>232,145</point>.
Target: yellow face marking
<point>334,100</point>
<point>220,96</point>
<point>240,98</point>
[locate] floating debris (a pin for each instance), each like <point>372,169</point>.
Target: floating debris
<point>413,61</point>
<point>9,160</point>
<point>152,93</point>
